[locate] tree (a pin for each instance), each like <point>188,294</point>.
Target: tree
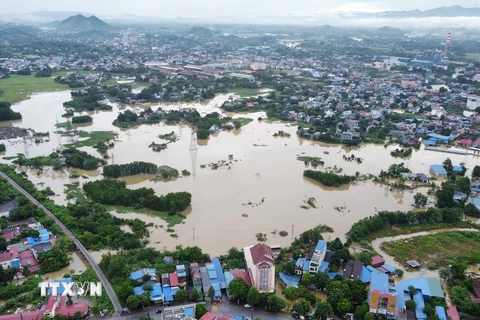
<point>344,306</point>
<point>368,316</point>
<point>238,289</point>
<point>358,291</point>
<point>78,315</point>
<point>320,280</point>
<point>360,311</point>
<point>200,310</point>
<point>288,267</point>
<point>132,302</point>
<point>324,310</point>
<point>310,297</point>
<point>181,296</point>
<point>447,164</point>
<point>471,210</point>
<point>410,305</point>
<point>253,297</point>
<point>275,304</point>
<point>301,307</point>
<point>95,309</point>
<point>195,296</point>
<point>476,172</point>
<point>290,292</point>
<point>211,292</point>
<point>306,279</point>
<point>412,291</point>
<point>420,200</point>
<point>336,291</point>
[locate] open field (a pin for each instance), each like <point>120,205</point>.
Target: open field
<point>244,92</point>
<point>169,219</point>
<point>94,137</point>
<point>473,56</point>
<point>437,250</point>
<point>17,88</point>
<point>414,228</point>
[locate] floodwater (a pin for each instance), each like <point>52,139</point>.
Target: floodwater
<point>77,265</point>
<point>261,167</point>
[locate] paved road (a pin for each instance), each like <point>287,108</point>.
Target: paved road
<point>106,285</point>
<point>240,310</point>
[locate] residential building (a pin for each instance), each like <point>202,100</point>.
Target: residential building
<point>139,274</point>
<point>261,267</point>
<point>182,276</point>
<point>438,170</point>
<point>473,102</point>
<point>317,255</point>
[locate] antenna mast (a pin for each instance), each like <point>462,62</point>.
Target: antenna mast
<point>447,44</point>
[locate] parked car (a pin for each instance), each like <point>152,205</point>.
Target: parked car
<point>248,306</point>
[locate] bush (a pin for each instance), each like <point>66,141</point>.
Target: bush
<point>283,233</point>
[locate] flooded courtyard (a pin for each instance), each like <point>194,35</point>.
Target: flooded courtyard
<point>259,191</point>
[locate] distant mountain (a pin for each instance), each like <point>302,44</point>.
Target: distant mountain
<point>452,11</point>
<point>80,23</point>
<point>15,34</point>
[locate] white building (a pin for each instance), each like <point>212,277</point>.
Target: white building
<point>473,102</point>
<point>243,76</point>
<point>438,111</point>
<point>261,267</point>
<point>258,66</point>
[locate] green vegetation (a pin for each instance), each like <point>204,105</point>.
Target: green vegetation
<point>73,192</point>
<point>185,172</point>
<point>364,228</point>
<point>129,169</point>
<point>129,118</point>
<point>171,220</point>
<point>171,137</point>
<point>17,88</point>
<point>392,231</point>
<point>282,134</point>
<point>82,119</point>
<point>6,113</point>
<point>283,233</point>
<point>111,192</point>
<point>311,161</point>
<point>240,122</point>
<point>86,102</point>
<point>244,92</point>
<point>16,296</point>
<point>39,162</point>
<point>89,275</point>
<point>329,179</point>
<point>94,138</point>
<point>2,147</point>
<point>166,173</point>
<point>439,249</point>
<point>401,153</point>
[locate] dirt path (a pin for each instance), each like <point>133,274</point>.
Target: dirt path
<point>377,243</point>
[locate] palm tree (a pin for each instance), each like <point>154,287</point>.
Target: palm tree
<point>26,270</point>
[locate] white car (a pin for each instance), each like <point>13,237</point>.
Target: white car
<point>247,306</point>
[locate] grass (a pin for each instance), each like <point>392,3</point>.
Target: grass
<point>65,125</point>
<point>414,228</point>
<point>436,250</point>
<point>474,56</point>
<point>243,121</point>
<point>169,219</point>
<point>17,88</point>
<point>94,137</point>
<point>73,191</point>
<point>244,92</point>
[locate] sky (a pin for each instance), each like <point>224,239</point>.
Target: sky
<point>217,8</point>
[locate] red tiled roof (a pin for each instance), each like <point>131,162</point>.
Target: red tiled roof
<point>224,317</point>
<point>377,261</point>
<point>6,256</point>
<point>466,141</point>
<point>173,280</point>
<point>453,313</point>
<point>261,252</point>
<point>208,316</point>
<point>242,274</point>
<point>9,235</point>
<point>35,315</point>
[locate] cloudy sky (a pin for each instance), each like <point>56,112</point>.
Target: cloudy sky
<point>206,8</point>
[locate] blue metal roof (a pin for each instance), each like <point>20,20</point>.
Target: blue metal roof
<point>300,262</point>
<point>430,142</point>
<point>220,275</point>
<point>167,293</point>
<point>372,269</point>
<point>379,281</point>
<point>418,298</point>
<point>323,266</point>
<point>389,268</point>
<point>441,312</point>
<point>212,274</point>
<point>321,245</point>
<point>366,275</point>
<point>400,296</point>
<point>420,283</point>
<point>289,280</point>
<point>457,168</point>
<point>438,169</point>
<point>188,311</point>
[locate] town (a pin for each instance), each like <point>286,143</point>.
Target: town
<point>340,165</point>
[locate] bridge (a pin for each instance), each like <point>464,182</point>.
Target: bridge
<point>106,285</point>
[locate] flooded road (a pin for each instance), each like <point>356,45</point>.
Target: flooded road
<point>263,167</point>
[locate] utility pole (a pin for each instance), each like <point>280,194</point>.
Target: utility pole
<point>292,230</point>
<point>194,236</point>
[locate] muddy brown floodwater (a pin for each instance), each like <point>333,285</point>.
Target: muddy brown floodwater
<point>263,167</point>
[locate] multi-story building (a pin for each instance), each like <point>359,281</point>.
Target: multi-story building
<point>261,267</point>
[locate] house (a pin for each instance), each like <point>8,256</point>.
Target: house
<point>261,267</point>
<point>317,255</point>
<point>476,143</point>
<point>214,281</point>
<point>377,261</point>
<point>353,270</point>
<point>459,196</point>
<point>209,316</point>
<point>465,142</point>
<point>138,275</point>
<point>196,277</point>
<point>156,294</point>
<point>182,275</point>
<point>438,170</point>
<point>220,275</point>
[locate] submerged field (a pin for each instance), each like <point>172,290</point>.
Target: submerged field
<point>437,250</point>
<point>17,88</point>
